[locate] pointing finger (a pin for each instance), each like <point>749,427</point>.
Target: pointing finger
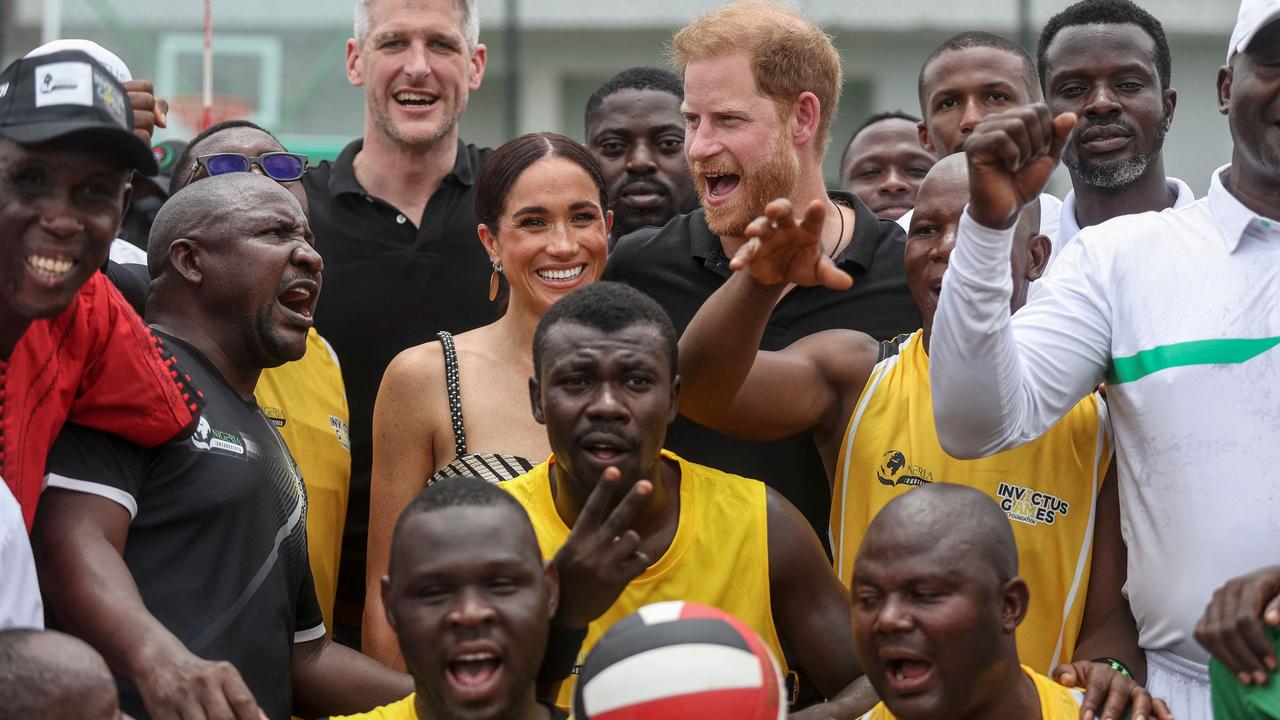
<point>593,512</point>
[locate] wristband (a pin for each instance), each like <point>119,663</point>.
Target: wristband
<point>1116,665</point>
<point>561,658</point>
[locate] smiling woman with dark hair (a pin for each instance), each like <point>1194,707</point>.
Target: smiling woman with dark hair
<point>542,209</point>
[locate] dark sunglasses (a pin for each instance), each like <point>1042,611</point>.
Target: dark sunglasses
<point>279,166</point>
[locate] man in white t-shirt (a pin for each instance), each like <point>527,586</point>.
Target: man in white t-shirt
<point>1108,61</point>
<point>20,605</point>
<point>1177,311</point>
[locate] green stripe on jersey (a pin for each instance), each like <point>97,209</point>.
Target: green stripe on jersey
<point>1226,351</point>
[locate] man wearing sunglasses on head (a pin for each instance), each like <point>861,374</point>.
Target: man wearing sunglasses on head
<point>305,399</point>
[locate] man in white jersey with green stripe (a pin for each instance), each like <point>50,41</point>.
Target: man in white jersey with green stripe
<point>1179,312</point>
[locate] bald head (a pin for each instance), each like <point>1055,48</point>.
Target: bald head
<point>964,522</point>
<point>49,675</point>
<point>200,212</point>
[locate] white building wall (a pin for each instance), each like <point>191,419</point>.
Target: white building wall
<point>569,46</point>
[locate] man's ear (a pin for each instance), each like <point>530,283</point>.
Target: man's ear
<point>806,114</point>
<point>479,56</point>
<point>1224,88</point>
<point>187,258</point>
<point>385,586</point>
<point>923,131</point>
<point>535,400</point>
<point>126,202</point>
<point>1039,248</point>
<point>608,223</point>
<point>552,576</point>
<point>1014,600</point>
<point>1170,99</point>
<point>355,75</point>
<point>674,409</point>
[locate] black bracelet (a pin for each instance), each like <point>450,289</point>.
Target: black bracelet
<point>561,658</point>
<point>1115,664</point>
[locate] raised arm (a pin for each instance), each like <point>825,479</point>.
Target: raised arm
<point>403,458</point>
<point>79,541</point>
<point>733,387</point>
<point>814,615</point>
<point>1000,382</point>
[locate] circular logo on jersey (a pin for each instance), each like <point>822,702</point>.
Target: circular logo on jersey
<point>895,470</point>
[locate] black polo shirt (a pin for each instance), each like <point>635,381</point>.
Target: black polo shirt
<point>390,282</point>
<point>682,263</point>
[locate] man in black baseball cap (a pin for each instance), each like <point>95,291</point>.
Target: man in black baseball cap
<point>64,94</point>
<point>72,347</point>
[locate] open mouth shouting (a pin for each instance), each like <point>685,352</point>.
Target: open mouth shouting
<point>50,268</point>
<point>907,672</point>
<point>935,287</point>
<point>474,670</point>
<point>720,187</point>
<point>299,301</point>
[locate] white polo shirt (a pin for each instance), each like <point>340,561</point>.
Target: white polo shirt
<point>1180,312</point>
<point>1068,228</point>
<point>20,605</point>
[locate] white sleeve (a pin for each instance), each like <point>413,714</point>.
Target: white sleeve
<point>20,605</point>
<point>999,382</point>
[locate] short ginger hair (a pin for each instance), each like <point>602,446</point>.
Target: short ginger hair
<point>790,54</point>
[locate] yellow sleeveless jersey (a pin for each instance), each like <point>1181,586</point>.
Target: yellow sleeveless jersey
<point>719,557</point>
<point>1047,488</point>
<point>308,404</point>
<point>1056,702</point>
<point>398,710</point>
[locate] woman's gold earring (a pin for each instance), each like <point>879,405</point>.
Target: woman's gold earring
<point>493,280</point>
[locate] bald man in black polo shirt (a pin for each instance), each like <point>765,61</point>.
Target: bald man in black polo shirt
<point>394,219</point>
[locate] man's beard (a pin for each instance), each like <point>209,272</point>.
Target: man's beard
<point>1120,173</point>
<point>774,178</point>
<point>385,125</point>
<point>275,349</point>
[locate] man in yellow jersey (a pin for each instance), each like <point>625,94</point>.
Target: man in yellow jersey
<point>605,386</point>
<point>469,598</point>
<point>867,406</point>
<point>305,399</point>
<point>937,600</point>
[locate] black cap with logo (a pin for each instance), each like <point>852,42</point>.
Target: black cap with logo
<point>55,96</point>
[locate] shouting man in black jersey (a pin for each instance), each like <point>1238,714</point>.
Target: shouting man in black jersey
<point>186,565</point>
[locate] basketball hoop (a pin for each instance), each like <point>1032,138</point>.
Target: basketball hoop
<point>189,110</point>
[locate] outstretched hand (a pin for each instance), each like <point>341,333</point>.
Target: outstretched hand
<point>1232,626</point>
<point>780,250</point>
<point>1011,156</point>
<point>602,553</point>
<point>1108,693</point>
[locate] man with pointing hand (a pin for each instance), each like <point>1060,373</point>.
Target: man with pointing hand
<point>1185,338</point>
<point>606,387</point>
